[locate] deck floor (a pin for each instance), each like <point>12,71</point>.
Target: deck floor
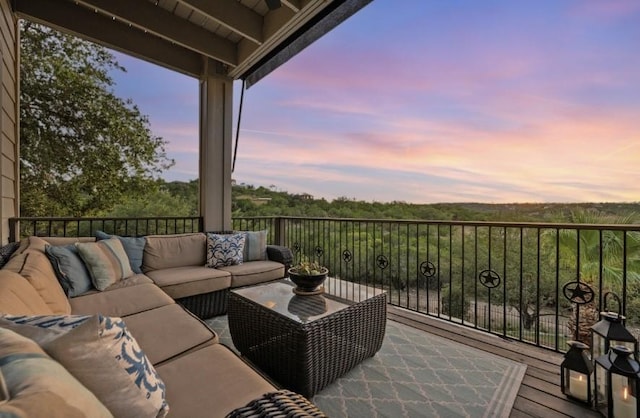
<point>539,394</point>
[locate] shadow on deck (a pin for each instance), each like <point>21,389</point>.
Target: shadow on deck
<point>539,394</point>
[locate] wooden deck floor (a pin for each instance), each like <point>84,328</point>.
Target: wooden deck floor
<point>539,394</point>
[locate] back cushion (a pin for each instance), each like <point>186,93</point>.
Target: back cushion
<point>168,251</point>
<point>18,297</point>
<point>34,265</point>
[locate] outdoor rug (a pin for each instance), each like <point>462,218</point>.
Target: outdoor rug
<point>416,374</point>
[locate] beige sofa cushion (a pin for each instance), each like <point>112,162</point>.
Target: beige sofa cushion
<point>18,297</point>
<point>181,282</point>
<point>34,265</point>
<point>122,301</point>
<point>254,272</point>
<point>169,331</point>
<point>168,251</point>
<point>210,382</point>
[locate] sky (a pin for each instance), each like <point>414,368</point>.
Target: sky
<point>426,101</point>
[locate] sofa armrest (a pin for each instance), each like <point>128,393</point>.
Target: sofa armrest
<point>280,254</point>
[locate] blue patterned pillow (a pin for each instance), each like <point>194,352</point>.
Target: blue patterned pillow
<point>224,250</point>
<point>100,352</point>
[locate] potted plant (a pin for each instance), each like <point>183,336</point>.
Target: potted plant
<point>308,276</point>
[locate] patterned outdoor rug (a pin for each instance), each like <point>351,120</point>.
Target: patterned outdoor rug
<point>416,374</point>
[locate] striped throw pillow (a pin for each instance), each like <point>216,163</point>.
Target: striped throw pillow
<point>106,261</point>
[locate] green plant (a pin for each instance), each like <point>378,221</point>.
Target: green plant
<point>308,268</point>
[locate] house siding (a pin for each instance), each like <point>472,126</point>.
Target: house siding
<point>9,87</point>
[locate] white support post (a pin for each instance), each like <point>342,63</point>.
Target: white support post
<point>216,118</point>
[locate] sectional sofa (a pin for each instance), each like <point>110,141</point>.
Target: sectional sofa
<point>125,347</point>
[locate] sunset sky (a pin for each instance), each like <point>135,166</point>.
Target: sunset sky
<point>430,101</point>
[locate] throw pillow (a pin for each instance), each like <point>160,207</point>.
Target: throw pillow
<point>39,386</point>
<point>7,251</point>
<point>133,246</point>
<point>101,353</point>
<point>224,250</point>
<point>255,245</point>
<point>106,261</point>
<point>70,269</point>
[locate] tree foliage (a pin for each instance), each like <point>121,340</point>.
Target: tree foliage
<point>82,148</point>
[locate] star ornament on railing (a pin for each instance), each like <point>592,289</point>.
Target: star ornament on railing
<point>427,269</point>
<point>578,292</point>
<point>347,256</point>
<point>382,262</point>
<point>489,278</point>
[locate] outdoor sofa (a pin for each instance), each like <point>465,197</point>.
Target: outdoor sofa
<point>124,347</point>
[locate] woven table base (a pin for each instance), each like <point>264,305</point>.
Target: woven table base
<point>280,404</point>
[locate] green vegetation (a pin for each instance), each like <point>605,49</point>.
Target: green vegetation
<point>82,148</point>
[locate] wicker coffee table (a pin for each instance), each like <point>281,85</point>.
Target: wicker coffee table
<point>306,342</point>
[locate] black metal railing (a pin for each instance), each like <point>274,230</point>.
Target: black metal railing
<point>540,283</point>
<point>82,227</point>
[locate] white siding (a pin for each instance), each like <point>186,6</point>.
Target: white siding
<point>9,87</point>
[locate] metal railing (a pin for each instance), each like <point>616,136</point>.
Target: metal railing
<point>79,227</point>
<point>540,283</point>
<point>531,282</point>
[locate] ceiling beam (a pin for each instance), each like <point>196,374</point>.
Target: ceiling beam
<point>70,18</point>
<point>148,17</point>
<point>279,25</point>
<point>293,5</point>
<point>232,15</point>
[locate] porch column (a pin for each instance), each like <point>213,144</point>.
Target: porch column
<point>216,118</point>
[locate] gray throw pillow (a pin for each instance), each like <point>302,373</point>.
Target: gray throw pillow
<point>70,269</point>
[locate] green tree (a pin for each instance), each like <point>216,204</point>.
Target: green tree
<point>82,147</point>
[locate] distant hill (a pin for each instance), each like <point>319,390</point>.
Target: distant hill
<point>251,201</point>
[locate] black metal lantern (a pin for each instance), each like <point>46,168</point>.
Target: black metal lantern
<point>575,372</point>
<point>610,331</point>
<point>621,373</point>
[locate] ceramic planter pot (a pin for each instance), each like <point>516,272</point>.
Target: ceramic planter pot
<point>306,283</point>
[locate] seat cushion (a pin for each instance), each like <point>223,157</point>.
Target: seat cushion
<point>254,272</point>
<point>169,251</point>
<point>122,301</point>
<point>18,297</point>
<point>182,282</point>
<point>210,382</point>
<point>169,331</point>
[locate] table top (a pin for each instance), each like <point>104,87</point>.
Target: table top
<point>279,297</point>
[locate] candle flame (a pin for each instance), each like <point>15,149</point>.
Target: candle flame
<point>580,378</point>
<point>625,393</point>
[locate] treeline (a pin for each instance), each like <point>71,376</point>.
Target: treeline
<point>181,198</point>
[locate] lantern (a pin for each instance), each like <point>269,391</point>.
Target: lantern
<point>621,376</point>
<point>575,372</point>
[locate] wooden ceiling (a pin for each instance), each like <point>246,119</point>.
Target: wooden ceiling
<point>243,39</point>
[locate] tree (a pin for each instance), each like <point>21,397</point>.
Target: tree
<point>82,148</point>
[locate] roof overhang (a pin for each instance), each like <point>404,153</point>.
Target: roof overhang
<point>242,39</point>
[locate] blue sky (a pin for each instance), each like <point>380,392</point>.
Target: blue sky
<point>435,101</point>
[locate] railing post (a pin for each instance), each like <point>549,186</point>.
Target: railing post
<point>279,230</point>
<point>13,229</point>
